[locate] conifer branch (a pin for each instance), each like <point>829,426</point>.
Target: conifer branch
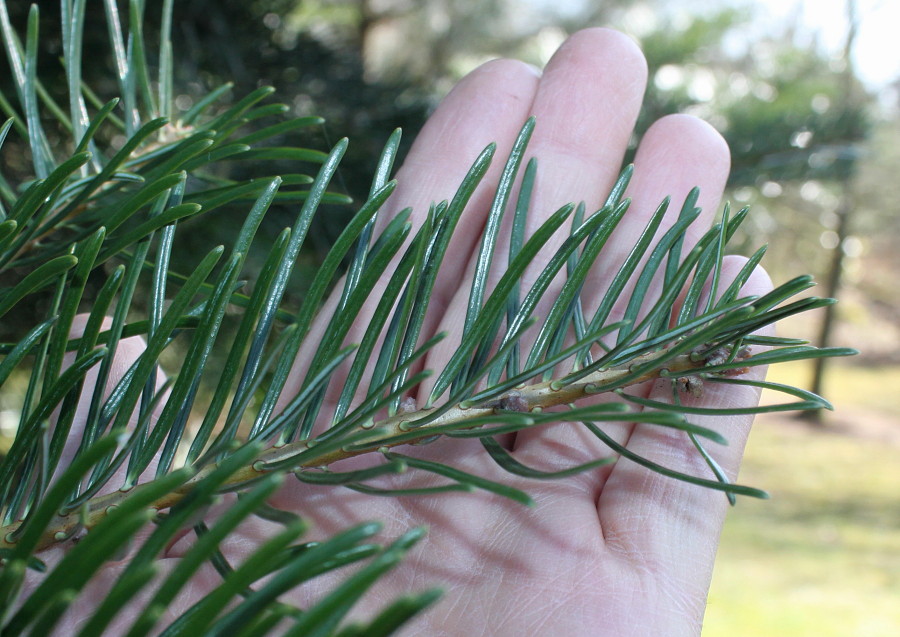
<point>89,202</point>
<point>388,433</point>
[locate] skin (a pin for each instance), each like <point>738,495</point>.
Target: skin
<point>615,551</point>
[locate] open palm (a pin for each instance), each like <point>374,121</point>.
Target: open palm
<point>618,550</point>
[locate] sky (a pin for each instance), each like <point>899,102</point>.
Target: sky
<point>876,52</point>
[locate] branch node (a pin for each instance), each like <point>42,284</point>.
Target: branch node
<point>407,405</point>
<point>513,401</point>
<point>692,385</point>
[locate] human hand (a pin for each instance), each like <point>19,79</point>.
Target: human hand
<point>614,551</point>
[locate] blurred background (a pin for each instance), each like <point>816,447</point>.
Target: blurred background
<point>807,93</point>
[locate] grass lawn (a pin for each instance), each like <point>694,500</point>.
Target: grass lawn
<point>822,557</point>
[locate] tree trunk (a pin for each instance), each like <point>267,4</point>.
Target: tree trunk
<point>844,212</point>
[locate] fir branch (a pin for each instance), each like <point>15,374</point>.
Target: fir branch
<point>103,205</point>
<point>406,428</point>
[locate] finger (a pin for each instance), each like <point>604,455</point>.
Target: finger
<point>488,105</point>
<point>676,154</point>
<point>585,108</point>
<point>664,525</point>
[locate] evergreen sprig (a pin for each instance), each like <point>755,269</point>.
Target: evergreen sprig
<point>90,205</point>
